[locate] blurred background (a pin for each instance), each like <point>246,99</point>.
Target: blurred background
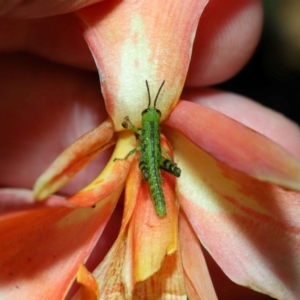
<point>272,77</point>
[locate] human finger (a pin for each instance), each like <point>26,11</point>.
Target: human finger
<point>44,108</point>
<point>228,33</point>
<point>38,8</point>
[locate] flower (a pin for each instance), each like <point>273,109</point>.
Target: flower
<point>233,206</point>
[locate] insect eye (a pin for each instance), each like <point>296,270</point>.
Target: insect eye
<point>145,111</point>
<point>158,111</point>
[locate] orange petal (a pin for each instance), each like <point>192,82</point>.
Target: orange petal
<point>197,278</point>
<point>250,228</point>
<point>115,272</point>
<point>133,183</point>
<point>109,273</point>
<point>89,288</point>
<point>166,284</point>
<point>236,145</point>
<point>133,41</point>
<point>73,159</point>
<point>41,249</point>
<point>113,176</point>
<point>13,200</point>
<point>144,256</point>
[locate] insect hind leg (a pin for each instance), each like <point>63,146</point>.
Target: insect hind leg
<point>169,166</point>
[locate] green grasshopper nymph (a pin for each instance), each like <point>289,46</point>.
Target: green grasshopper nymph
<point>151,159</point>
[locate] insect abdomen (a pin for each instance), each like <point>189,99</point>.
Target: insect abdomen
<point>150,158</point>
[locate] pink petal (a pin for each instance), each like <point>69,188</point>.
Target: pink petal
<point>132,41</point>
<point>236,145</point>
<point>197,278</point>
<point>41,249</point>
<point>250,228</point>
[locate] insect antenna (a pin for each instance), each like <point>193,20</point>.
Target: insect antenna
<point>158,93</point>
<point>149,97</point>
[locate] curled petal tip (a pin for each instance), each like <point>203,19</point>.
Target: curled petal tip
<point>73,159</point>
<point>89,288</point>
